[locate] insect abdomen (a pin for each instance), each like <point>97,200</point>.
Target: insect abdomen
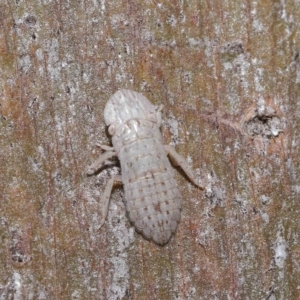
<point>152,198</point>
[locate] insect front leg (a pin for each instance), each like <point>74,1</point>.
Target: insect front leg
<point>105,147</point>
<point>102,158</point>
<point>106,196</point>
<point>178,160</point>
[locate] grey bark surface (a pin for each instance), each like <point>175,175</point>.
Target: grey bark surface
<point>228,75</point>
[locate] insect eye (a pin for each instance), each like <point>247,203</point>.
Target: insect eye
<point>112,129</point>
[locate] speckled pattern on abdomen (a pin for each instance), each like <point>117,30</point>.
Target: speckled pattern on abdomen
<point>152,199</point>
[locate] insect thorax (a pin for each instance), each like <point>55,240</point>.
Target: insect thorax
<point>135,130</point>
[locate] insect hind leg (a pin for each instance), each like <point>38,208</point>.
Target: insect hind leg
<point>106,196</point>
<point>178,160</point>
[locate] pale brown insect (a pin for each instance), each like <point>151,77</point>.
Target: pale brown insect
<point>152,198</point>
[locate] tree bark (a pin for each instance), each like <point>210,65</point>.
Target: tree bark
<point>227,73</point>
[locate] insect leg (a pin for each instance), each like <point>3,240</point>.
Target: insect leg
<point>105,147</point>
<point>98,163</point>
<point>178,160</point>
<point>106,196</point>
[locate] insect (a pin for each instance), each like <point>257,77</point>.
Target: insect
<point>152,198</point>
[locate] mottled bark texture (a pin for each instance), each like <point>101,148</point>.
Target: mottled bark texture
<point>228,75</point>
